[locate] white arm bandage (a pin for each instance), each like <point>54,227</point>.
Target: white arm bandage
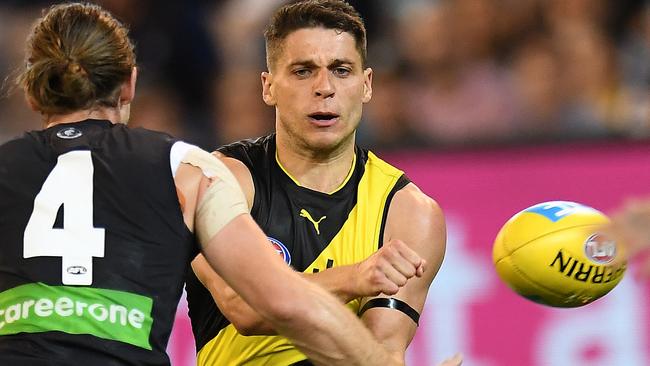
<point>222,201</point>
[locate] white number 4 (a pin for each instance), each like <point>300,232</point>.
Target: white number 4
<point>70,184</point>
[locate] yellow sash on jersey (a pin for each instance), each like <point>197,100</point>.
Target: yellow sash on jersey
<point>356,241</point>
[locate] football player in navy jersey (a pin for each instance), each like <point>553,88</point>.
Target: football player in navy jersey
<point>99,222</point>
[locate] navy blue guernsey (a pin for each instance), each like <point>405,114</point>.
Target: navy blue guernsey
<point>93,246</point>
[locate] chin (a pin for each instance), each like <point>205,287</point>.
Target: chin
<point>327,141</point>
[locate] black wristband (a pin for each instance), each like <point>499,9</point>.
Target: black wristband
<point>392,303</point>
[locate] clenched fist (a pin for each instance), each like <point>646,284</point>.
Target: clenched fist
<point>388,269</point>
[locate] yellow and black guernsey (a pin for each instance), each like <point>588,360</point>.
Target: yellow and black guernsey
<point>311,230</point>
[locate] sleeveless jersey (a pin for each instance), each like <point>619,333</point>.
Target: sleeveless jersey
<point>311,230</point>
<point>94,246</point>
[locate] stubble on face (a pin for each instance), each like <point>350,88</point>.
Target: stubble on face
<point>319,87</point>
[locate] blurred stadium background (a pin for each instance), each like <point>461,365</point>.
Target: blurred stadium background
<point>488,105</point>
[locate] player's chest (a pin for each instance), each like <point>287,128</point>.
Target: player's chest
<point>305,226</point>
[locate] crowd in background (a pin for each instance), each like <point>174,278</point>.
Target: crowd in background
<point>447,73</point>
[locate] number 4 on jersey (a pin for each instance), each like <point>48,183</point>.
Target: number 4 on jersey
<point>70,184</point>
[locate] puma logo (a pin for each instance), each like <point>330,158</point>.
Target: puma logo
<point>306,215</point>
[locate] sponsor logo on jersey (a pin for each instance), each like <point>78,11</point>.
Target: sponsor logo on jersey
<point>600,248</point>
<point>557,210</point>
<point>281,249</point>
<point>69,133</point>
<point>307,215</point>
<point>108,314</point>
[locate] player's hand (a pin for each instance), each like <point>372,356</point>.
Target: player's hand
<point>631,228</point>
<point>457,360</point>
<point>388,269</point>
<point>631,224</point>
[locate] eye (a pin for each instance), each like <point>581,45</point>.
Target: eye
<point>341,71</point>
<point>302,73</point>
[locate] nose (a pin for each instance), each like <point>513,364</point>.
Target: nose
<point>323,86</point>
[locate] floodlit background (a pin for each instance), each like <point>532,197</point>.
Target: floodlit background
<point>490,106</point>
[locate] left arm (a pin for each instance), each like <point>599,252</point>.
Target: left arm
<point>383,272</point>
<point>418,221</point>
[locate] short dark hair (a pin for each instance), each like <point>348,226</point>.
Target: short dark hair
<point>329,14</point>
<point>77,57</point>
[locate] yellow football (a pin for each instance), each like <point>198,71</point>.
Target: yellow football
<point>553,253</point>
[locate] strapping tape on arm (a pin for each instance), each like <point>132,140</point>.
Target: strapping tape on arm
<point>222,201</point>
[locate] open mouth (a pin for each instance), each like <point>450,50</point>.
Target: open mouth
<point>323,118</point>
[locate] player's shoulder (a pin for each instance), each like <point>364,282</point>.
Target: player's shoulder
<point>144,134</point>
<point>250,157</point>
<point>406,193</point>
<point>412,200</point>
<point>13,144</point>
<point>236,166</point>
<point>408,199</point>
<point>252,148</point>
<point>19,145</point>
<point>148,144</point>
<point>375,163</point>
<point>417,219</point>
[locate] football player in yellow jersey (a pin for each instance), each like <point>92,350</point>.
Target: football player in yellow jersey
<point>318,81</point>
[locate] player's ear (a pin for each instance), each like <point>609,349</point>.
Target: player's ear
<point>267,88</point>
<point>127,91</point>
<point>367,85</point>
<point>31,103</point>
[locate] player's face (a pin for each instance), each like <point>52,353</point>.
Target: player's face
<point>318,86</point>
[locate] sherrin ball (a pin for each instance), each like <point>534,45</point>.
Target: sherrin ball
<point>553,253</point>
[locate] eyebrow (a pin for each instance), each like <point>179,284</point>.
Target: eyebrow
<point>339,62</point>
<point>309,63</point>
